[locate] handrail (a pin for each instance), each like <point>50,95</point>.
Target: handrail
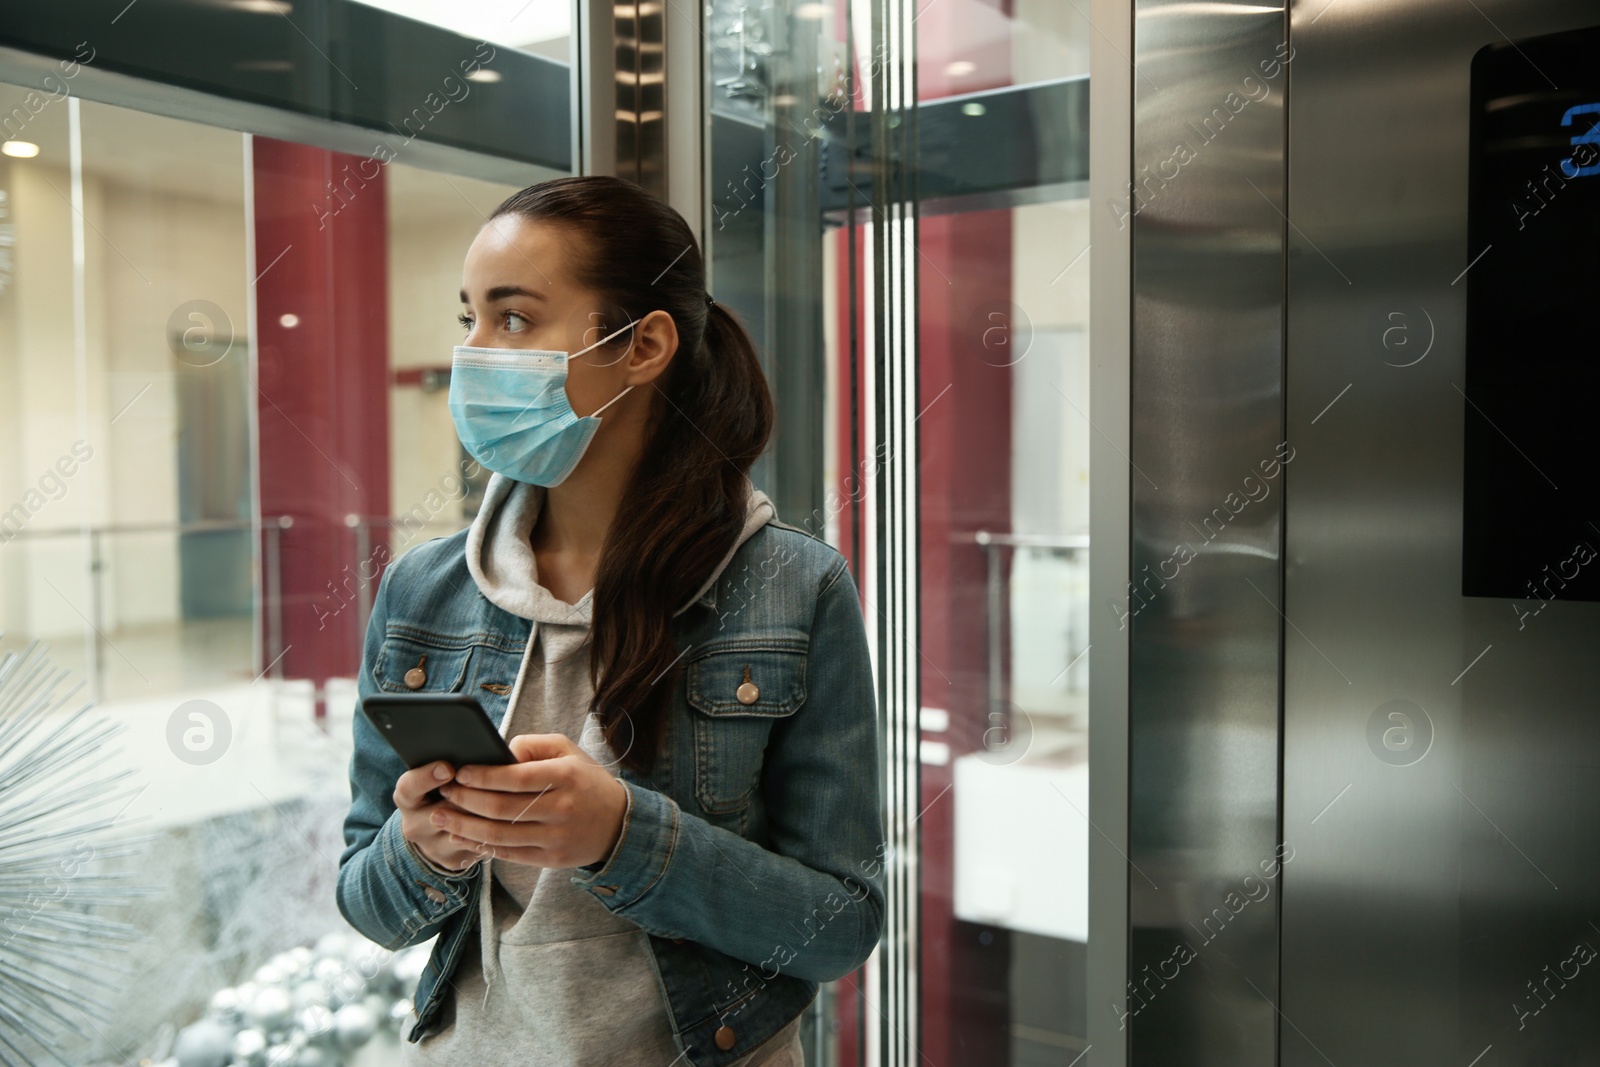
<point>283,522</point>
<point>987,537</point>
<point>995,606</point>
<point>271,582</point>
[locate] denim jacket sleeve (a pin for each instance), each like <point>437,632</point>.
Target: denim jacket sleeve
<point>812,905</point>
<point>383,886</point>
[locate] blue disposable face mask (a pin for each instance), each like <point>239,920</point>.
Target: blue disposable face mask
<point>512,414</point>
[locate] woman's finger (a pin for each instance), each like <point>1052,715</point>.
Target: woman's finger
<point>526,777</point>
<point>492,804</point>
<point>495,832</point>
<point>529,855</point>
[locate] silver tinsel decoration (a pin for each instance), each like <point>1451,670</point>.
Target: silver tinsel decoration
<point>55,946</point>
<point>310,1006</point>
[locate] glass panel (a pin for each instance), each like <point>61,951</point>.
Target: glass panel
<point>140,573</point>
<point>194,327</point>
<point>49,455</point>
<point>1003,451</point>
<point>1002,327</point>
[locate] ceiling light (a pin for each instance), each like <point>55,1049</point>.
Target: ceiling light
<point>812,11</point>
<point>20,149</point>
<point>973,108</point>
<point>484,75</point>
<point>289,320</point>
<point>961,68</point>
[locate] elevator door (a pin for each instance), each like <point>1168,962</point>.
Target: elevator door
<point>1440,782</point>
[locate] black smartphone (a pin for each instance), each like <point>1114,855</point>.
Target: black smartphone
<point>424,727</point>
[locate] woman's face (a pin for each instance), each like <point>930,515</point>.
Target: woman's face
<point>517,292</point>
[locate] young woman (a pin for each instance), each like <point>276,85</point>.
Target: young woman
<point>691,840</point>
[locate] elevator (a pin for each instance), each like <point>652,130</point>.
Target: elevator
<point>1345,696</point>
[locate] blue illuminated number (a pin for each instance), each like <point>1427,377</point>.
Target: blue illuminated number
<point>1570,167</point>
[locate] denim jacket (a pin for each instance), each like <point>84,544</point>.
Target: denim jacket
<point>751,854</point>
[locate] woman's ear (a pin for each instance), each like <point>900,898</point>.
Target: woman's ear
<point>655,342</point>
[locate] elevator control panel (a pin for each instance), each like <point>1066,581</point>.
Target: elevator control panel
<point>1531,526</point>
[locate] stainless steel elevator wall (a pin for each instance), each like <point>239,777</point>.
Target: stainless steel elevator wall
<point>1436,877</point>
<point>1206,426</point>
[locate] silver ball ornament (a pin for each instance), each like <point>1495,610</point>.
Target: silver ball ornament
<point>269,974</point>
<point>308,992</point>
<point>314,1056</point>
<point>328,967</point>
<point>250,1048</point>
<point>271,1010</point>
<point>336,943</point>
<point>315,1022</point>
<point>206,1043</point>
<point>226,1008</point>
<point>354,1026</point>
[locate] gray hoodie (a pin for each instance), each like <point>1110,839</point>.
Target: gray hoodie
<point>555,979</point>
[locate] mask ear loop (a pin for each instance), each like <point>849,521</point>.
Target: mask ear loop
<point>597,344</point>
<point>602,341</point>
<point>608,403</point>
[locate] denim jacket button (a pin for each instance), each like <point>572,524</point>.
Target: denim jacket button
<point>724,1037</point>
<point>434,895</point>
<point>748,692</point>
<point>416,677</point>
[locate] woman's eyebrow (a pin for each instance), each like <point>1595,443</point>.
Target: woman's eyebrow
<point>500,292</point>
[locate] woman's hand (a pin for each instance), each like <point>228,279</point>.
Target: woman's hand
<point>410,796</point>
<point>556,807</point>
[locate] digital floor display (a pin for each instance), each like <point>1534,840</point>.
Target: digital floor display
<point>1532,410</point>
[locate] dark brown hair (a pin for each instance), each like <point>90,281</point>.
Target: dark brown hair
<point>684,507</point>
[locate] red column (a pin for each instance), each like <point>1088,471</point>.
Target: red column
<point>322,300</point>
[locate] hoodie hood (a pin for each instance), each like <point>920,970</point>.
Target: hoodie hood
<point>501,559</point>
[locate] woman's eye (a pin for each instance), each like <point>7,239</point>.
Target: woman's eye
<point>515,323</point>
<point>465,321</point>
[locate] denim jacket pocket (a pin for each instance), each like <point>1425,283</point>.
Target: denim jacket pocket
<point>441,668</point>
<point>738,689</point>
